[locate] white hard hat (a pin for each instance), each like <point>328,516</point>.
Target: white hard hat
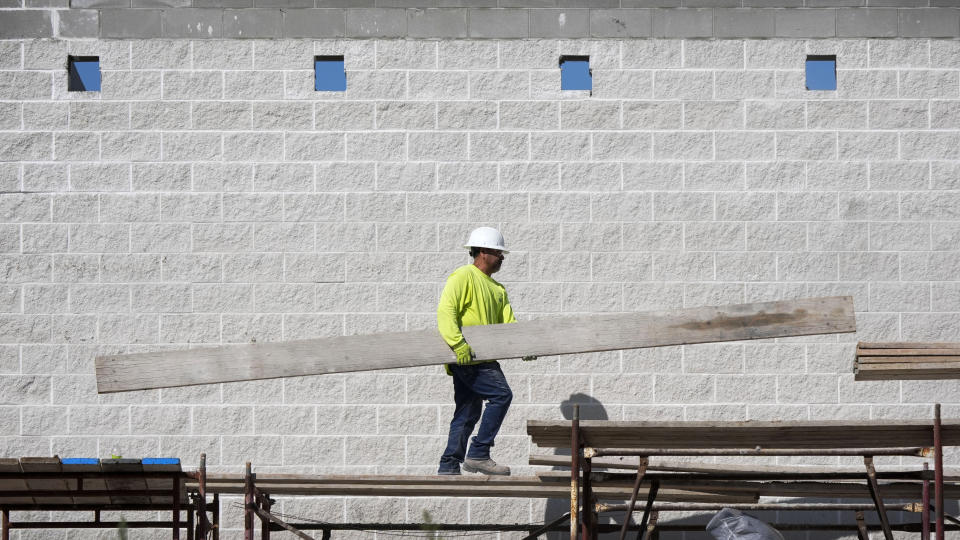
<point>486,237</point>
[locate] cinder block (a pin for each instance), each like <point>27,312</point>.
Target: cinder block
<point>437,23</point>
<point>716,54</point>
<point>624,146</point>
<point>33,146</point>
<point>809,145</point>
<point>837,114</point>
<point>929,22</point>
<point>867,22</point>
<point>929,84</point>
<point>249,85</point>
<point>379,22</point>
<point>818,23</point>
<point>39,116</point>
<point>252,23</point>
<point>24,85</point>
<point>694,85</point>
<point>437,85</point>
<point>559,23</point>
<point>748,23</point>
<point>620,23</point>
<point>193,23</point>
<point>683,23</point>
<point>583,114</point>
<point>120,23</point>
<point>78,23</point>
<point>713,115</point>
<point>159,115</point>
<point>314,23</point>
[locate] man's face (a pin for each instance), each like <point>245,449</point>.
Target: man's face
<point>491,258</point>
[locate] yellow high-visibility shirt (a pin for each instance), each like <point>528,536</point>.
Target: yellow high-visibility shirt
<point>471,298</point>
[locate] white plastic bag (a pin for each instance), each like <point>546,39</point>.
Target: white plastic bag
<point>730,524</point>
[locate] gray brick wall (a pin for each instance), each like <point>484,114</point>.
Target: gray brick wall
<point>206,19</point>
<point>208,195</point>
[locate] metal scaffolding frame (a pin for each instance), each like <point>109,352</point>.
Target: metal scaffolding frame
<point>584,507</point>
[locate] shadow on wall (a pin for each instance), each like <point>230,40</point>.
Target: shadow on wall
<point>590,409</point>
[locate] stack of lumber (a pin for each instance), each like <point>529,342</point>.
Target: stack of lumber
<point>531,487</point>
<point>725,435</point>
<point>907,361</point>
<point>545,337</point>
<point>42,483</point>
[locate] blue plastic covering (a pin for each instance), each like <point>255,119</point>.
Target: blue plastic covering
<point>821,74</point>
<point>84,74</point>
<point>160,461</point>
<point>80,461</point>
<point>575,74</point>
<point>329,74</point>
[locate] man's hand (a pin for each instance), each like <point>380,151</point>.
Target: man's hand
<point>529,358</point>
<point>464,354</point>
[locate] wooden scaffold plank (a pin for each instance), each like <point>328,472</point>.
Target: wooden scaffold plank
<point>544,337</point>
<point>907,361</point>
<point>769,435</point>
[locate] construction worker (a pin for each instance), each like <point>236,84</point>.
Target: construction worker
<point>471,297</point>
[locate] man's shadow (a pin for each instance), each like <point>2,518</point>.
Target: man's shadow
<point>590,409</point>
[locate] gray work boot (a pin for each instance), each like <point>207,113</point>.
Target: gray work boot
<point>485,466</point>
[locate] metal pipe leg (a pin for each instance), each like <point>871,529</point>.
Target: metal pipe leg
<point>938,470</point>
<point>628,516</point>
<point>925,514</point>
<point>651,496</point>
<point>588,521</point>
<point>862,527</point>
<point>877,499</point>
<point>190,524</point>
<point>5,529</point>
<point>652,532</point>
<point>176,507</point>
<point>248,502</point>
<point>575,473</point>
<point>216,516</point>
<point>265,524</point>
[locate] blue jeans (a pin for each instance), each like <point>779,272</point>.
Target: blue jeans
<point>471,386</point>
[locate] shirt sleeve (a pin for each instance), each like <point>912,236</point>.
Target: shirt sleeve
<point>449,309</point>
<point>507,310</point>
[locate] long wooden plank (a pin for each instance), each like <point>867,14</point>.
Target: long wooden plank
<point>118,373</point>
<point>910,345</point>
<point>907,372</point>
<point>907,352</point>
<point>12,465</point>
<point>46,465</point>
<point>874,360</point>
<point>770,435</point>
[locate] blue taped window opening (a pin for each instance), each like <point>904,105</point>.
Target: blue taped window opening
<point>83,73</point>
<point>575,73</point>
<point>329,74</point>
<point>821,72</point>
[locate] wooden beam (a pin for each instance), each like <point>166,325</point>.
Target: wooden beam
<point>544,337</point>
<point>768,435</point>
<point>906,361</point>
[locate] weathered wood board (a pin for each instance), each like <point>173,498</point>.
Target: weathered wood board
<point>768,435</point>
<point>570,335</point>
<point>906,361</point>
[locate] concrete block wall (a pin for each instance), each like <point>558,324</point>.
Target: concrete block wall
<point>208,195</point>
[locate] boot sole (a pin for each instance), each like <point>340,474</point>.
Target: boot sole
<point>470,469</point>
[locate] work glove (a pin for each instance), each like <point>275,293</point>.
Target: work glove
<point>464,354</point>
<point>529,358</point>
